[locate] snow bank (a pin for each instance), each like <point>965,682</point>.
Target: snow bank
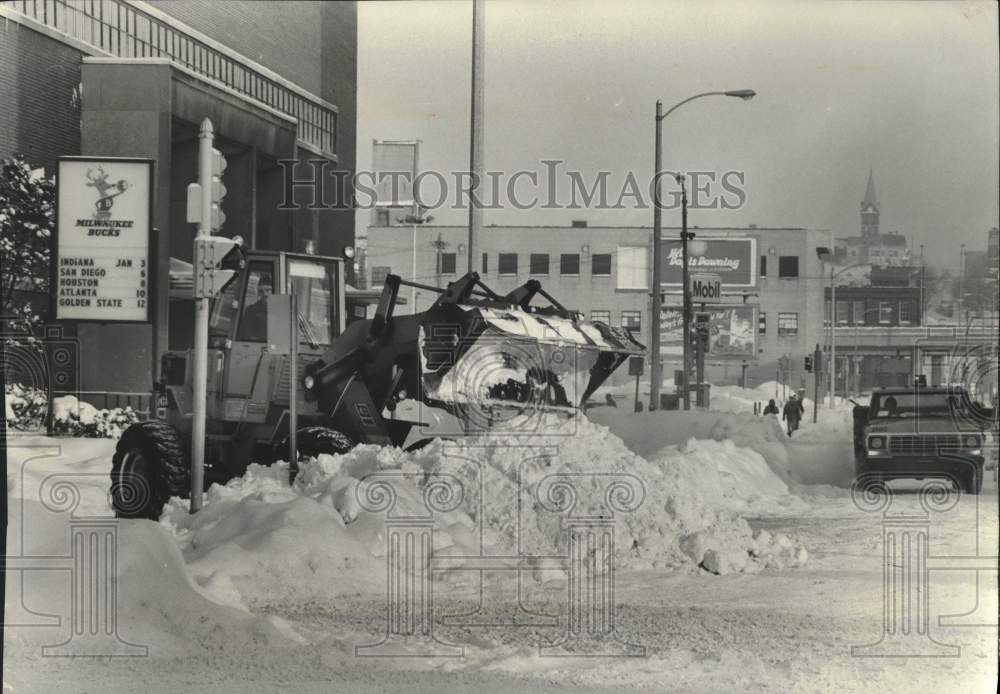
<point>268,542</point>
<point>820,453</point>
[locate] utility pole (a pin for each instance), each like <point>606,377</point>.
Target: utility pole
<point>656,307</point>
<point>477,128</point>
<point>922,284</point>
<point>961,284</point>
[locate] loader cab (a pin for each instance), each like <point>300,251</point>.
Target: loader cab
<point>239,314</point>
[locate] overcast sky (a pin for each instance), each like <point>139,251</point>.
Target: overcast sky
<point>908,89</point>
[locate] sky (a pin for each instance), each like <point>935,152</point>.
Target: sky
<point>908,90</point>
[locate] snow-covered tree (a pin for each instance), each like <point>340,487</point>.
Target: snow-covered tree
<point>27,218</point>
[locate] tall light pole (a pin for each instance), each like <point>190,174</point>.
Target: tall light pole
<point>961,284</point>
<point>921,284</point>
<point>656,369</point>
<point>824,253</point>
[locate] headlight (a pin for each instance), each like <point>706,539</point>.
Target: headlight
<point>309,382</point>
<point>876,442</point>
<point>972,442</point>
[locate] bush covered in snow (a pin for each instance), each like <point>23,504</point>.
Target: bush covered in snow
<point>26,409</point>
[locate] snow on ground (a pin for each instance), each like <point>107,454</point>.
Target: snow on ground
<point>257,537</point>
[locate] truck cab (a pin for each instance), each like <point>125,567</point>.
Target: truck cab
<point>920,432</point>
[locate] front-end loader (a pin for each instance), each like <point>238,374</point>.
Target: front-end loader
<point>474,361</point>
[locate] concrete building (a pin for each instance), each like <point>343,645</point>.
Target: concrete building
<point>122,78</point>
<point>604,272</point>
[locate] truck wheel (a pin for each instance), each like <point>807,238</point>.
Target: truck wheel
<point>974,480</point>
<point>149,466</point>
<point>312,441</point>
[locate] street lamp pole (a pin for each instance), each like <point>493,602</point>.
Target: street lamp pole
<point>656,305</point>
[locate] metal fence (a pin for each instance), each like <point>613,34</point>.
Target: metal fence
<point>124,31</point>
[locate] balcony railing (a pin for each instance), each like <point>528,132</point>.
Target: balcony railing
<point>122,30</point>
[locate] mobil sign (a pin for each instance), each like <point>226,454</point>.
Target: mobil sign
<point>705,289</point>
<point>732,259</point>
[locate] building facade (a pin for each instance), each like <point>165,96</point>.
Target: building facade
<point>123,78</point>
<point>604,272</point>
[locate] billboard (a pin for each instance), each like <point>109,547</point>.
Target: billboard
<point>102,267</point>
<point>734,260</point>
<point>732,332</point>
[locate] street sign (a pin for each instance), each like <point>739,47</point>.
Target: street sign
<point>103,261</point>
<point>635,366</point>
<point>706,289</point>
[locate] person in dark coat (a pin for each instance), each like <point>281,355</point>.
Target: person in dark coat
<point>772,408</point>
<point>792,413</point>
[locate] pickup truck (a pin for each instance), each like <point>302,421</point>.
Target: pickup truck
<point>920,432</point>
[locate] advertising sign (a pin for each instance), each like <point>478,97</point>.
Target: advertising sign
<point>102,263</point>
<point>732,333</point>
<point>733,260</point>
<point>706,289</point>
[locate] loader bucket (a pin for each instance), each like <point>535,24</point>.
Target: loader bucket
<point>516,359</point>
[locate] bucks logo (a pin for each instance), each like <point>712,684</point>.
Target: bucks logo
<point>107,191</point>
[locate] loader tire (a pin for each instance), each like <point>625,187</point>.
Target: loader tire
<point>312,441</point>
<point>149,467</point>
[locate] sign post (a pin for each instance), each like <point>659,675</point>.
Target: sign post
<point>817,370</point>
<point>635,368</point>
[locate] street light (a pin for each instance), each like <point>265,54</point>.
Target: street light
<point>656,371</point>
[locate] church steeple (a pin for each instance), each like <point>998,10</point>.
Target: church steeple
<point>869,208</point>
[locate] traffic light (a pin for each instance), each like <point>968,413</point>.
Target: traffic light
<point>701,330</point>
<point>218,191</point>
<point>809,363</point>
<point>217,262</point>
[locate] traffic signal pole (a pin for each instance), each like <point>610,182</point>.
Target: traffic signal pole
<point>206,139</point>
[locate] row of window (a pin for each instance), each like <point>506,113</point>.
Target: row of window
<point>788,266</point>
<point>857,313</point>
<point>788,323</point>
<point>507,264</point>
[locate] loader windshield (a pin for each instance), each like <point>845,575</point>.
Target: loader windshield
<point>312,284</point>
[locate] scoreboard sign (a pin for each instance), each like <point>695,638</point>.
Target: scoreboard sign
<point>103,263</point>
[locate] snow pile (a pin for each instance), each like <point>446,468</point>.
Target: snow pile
<point>259,540</point>
<point>796,461</point>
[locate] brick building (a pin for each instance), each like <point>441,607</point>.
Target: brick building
<point>604,272</point>
<point>123,78</point>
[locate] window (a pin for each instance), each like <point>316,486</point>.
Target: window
<point>826,312</point>
<point>763,266</point>
<point>842,308</point>
<point>312,283</point>
<point>788,325</point>
<point>538,264</point>
<point>859,312</point>
<point>447,264</point>
<point>632,271</point>
<point>762,323</point>
<point>260,285</point>
<point>379,273</point>
<point>601,317</point>
<point>884,312</point>
<point>382,218</point>
<point>507,263</point>
<point>905,315</point>
<point>600,264</point>
<point>569,264</point>
<point>486,264</point>
<point>788,266</point>
<point>632,320</point>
